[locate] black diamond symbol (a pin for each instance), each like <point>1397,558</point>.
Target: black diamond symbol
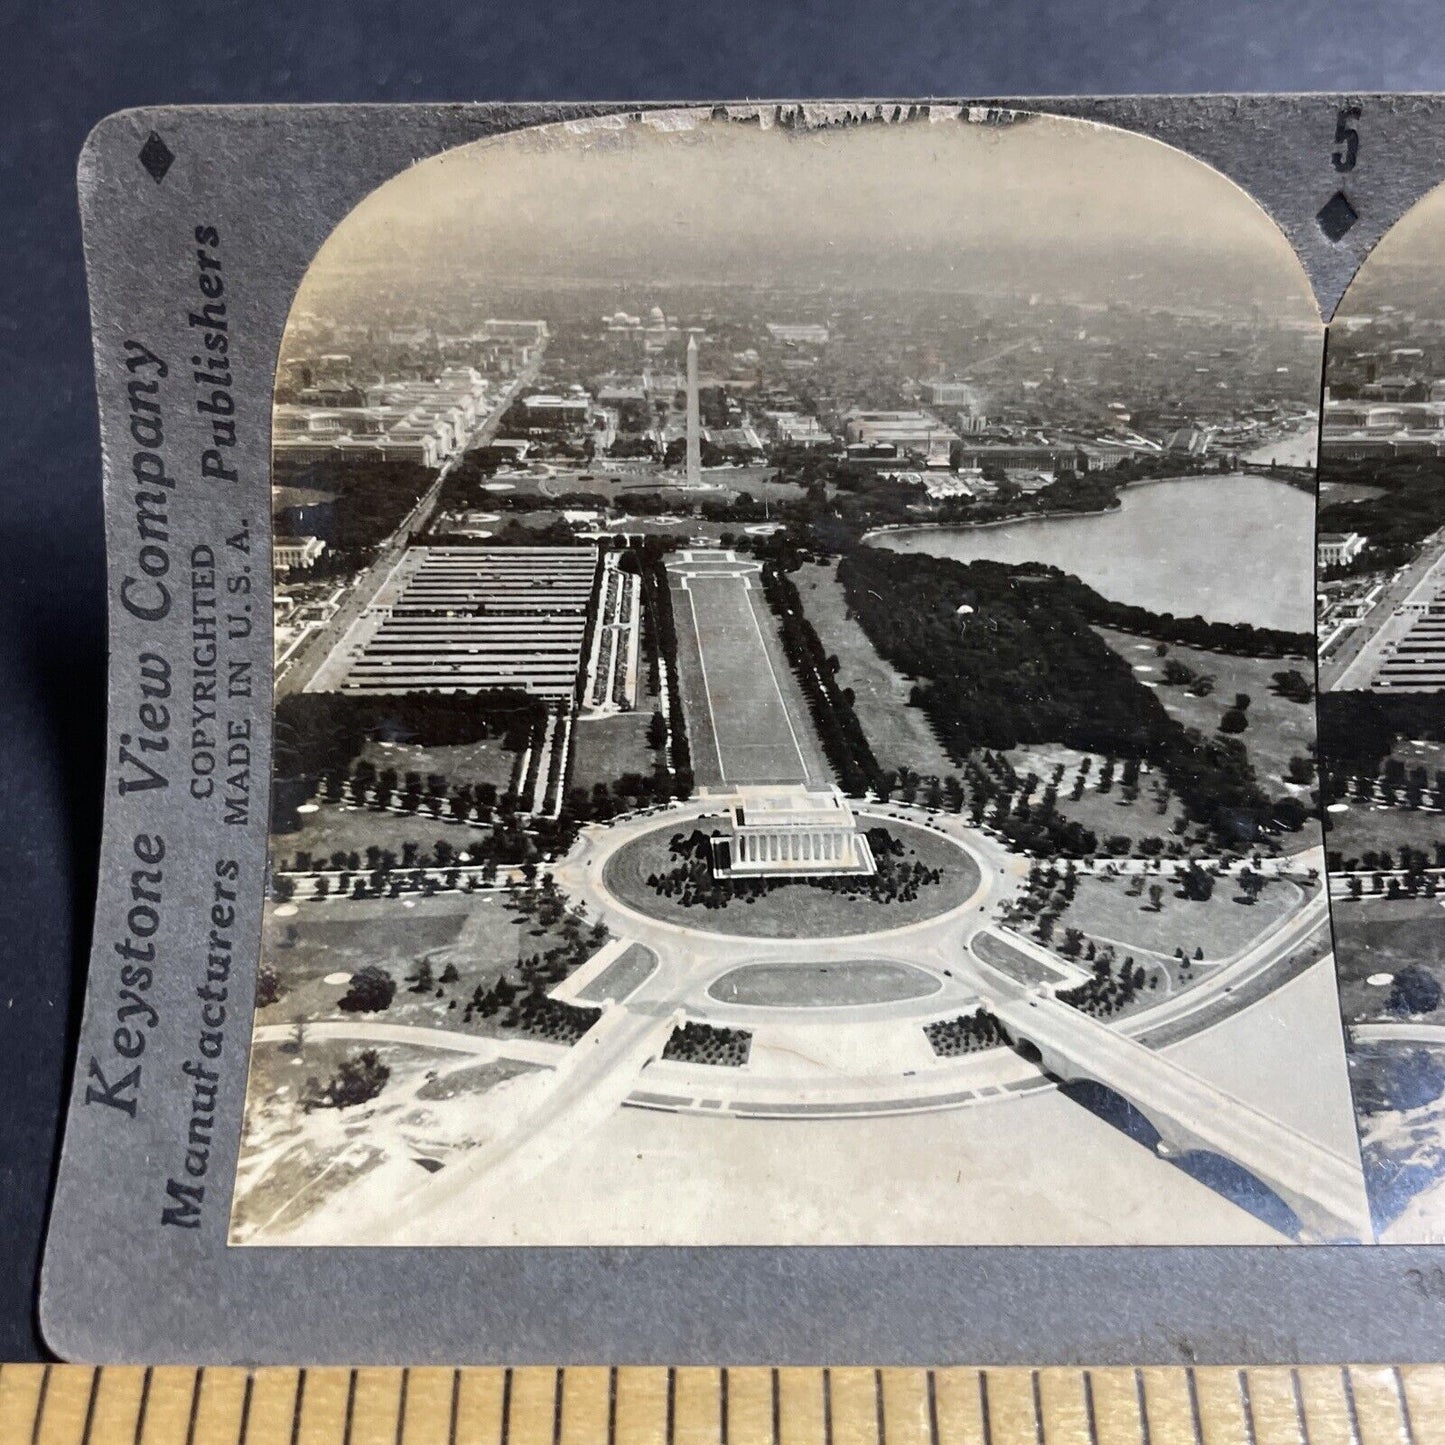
<point>1337,215</point>
<point>156,157</point>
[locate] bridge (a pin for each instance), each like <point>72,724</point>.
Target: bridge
<point>1325,1190</point>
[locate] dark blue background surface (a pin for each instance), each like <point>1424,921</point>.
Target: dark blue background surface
<point>67,64</point>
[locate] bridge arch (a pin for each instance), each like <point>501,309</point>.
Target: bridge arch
<point>1114,1109</point>
<point>1242,1187</point>
<point>1279,1174</point>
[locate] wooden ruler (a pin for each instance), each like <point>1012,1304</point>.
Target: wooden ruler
<point>540,1405</point>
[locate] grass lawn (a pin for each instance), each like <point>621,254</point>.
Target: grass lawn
<point>333,828</point>
<point>622,977</point>
<point>1349,492</point>
<point>604,748</point>
<point>481,935</point>
<point>900,735</point>
<point>537,521</point>
<point>1419,752</point>
<point>1223,928</point>
<point>1107,814</point>
<point>1009,959</point>
<point>823,985</point>
<point>681,528</point>
<point>473,1079</point>
<point>1367,828</point>
<point>1278,729</point>
<point>795,908</point>
<point>486,761</point>
<point>729,657</point>
<point>284,495</point>
<point>1381,938</point>
<point>706,767</point>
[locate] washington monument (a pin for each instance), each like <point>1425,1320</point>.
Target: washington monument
<point>694,430</point>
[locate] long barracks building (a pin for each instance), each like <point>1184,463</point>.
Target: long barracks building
<point>463,619</point>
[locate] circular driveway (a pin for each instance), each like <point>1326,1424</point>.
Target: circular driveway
<point>800,910</point>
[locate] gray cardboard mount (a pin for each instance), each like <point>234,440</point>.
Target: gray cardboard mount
<point>118,1285</point>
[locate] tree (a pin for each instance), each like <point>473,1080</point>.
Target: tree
<point>357,1079</point>
<point>1293,685</point>
<point>657,731</point>
<point>1233,721</point>
<point>449,974</point>
<point>1196,883</point>
<point>372,990</point>
<point>1414,991</point>
<point>1156,897</point>
<point>268,986</point>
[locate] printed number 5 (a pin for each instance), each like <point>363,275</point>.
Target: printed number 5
<point>1347,139</point>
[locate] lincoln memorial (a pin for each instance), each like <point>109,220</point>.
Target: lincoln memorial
<point>790,832</point>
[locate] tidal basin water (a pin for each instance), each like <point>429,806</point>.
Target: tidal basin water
<point>1229,548</point>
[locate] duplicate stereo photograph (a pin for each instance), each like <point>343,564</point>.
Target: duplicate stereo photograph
<point>795,706</point>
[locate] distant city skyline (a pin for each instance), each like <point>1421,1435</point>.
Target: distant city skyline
<point>1062,209</point>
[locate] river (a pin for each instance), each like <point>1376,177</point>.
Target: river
<point>1232,548</point>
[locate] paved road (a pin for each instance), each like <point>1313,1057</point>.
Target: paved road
<point>373,1031</point>
<point>1354,664</point>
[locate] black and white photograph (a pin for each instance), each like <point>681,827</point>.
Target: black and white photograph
<point>1381,545</point>
<point>1381,607</point>
<point>795,699</point>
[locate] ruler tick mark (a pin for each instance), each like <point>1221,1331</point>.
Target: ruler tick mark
<point>295,1412</point>
<point>196,1410</point>
<point>1247,1405</point>
<point>245,1431</point>
<point>1194,1404</point>
<point>145,1400</point>
<point>90,1406</point>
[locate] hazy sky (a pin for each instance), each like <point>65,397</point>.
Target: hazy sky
<point>1045,204</point>
<point>1406,269</point>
